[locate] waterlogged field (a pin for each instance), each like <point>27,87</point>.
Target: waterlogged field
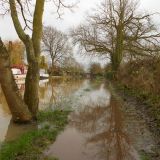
<point>100,127</point>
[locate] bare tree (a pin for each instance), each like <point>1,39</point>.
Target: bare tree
<point>17,8</point>
<point>72,67</point>
<point>56,44</point>
<point>32,45</point>
<point>118,29</point>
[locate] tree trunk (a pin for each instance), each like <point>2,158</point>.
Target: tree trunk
<point>14,99</point>
<point>52,68</point>
<point>118,53</point>
<point>31,96</point>
<point>33,50</point>
<point>115,62</point>
<point>116,58</point>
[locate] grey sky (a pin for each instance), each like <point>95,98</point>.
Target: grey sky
<point>70,19</point>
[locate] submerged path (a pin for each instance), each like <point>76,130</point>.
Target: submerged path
<point>102,128</point>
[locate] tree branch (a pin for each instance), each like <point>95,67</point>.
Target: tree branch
<point>37,26</point>
<point>16,21</point>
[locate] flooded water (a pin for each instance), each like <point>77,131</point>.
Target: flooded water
<point>100,127</point>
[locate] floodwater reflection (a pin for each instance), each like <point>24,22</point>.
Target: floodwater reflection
<point>50,92</point>
<point>99,128</point>
<point>96,131</point>
<point>104,128</point>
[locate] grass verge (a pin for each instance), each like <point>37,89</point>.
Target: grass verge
<point>144,156</point>
<point>148,106</point>
<point>31,145</point>
<point>150,103</point>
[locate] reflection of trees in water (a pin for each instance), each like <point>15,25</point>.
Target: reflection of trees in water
<point>86,120</point>
<point>60,93</point>
<point>105,128</point>
<point>70,86</point>
<point>95,84</point>
<point>43,89</point>
<point>53,92</point>
<point>56,89</point>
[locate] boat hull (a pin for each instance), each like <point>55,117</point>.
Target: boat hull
<point>19,76</point>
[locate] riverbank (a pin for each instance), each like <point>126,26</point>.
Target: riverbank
<point>30,146</point>
<point>147,108</point>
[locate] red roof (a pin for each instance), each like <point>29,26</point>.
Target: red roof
<point>19,66</point>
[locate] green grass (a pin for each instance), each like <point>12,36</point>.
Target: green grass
<point>150,100</point>
<point>31,145</point>
<point>144,156</point>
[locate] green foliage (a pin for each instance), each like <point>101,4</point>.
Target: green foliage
<point>58,117</point>
<point>144,156</point>
<point>30,145</point>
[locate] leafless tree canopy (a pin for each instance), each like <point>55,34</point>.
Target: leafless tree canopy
<point>25,9</point>
<point>118,28</point>
<point>56,44</point>
<point>25,14</point>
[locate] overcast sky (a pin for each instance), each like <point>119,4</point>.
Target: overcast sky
<point>70,19</point>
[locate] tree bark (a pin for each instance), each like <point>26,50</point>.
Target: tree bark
<point>31,96</point>
<point>118,53</point>
<point>18,108</point>
<point>32,46</point>
<point>33,50</point>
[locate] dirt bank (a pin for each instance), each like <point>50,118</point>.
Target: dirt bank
<point>144,111</point>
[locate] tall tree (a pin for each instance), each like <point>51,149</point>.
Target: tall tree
<point>27,109</point>
<point>56,44</point>
<point>32,45</point>
<point>118,29</point>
